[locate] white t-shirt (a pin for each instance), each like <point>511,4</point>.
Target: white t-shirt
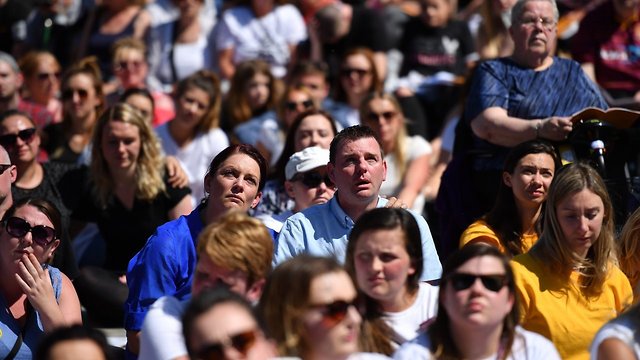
<point>415,146</point>
<point>196,156</point>
<point>406,324</point>
<point>526,345</point>
<point>161,334</point>
<point>622,329</point>
<point>267,38</point>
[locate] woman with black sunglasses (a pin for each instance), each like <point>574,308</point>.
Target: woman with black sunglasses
<point>310,307</point>
<point>478,316</point>
<point>37,298</point>
<point>384,257</point>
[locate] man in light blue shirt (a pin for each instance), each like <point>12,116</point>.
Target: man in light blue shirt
<point>357,168</point>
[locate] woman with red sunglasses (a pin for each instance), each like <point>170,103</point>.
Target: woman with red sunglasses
<point>478,315</point>
<point>310,307</point>
<point>37,298</point>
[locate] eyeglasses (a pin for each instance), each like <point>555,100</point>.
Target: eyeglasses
<point>347,72</point>
<point>4,167</point>
<point>128,65</point>
<point>41,234</point>
<point>68,94</point>
<point>461,281</point>
<point>313,179</point>
<point>242,342</point>
<point>47,76</point>
<point>293,105</point>
<point>10,140</point>
<point>531,22</point>
<point>387,115</point>
<point>336,311</point>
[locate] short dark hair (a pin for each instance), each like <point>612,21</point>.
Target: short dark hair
<point>74,332</point>
<point>207,300</point>
<point>350,134</point>
<point>15,112</point>
<point>138,91</point>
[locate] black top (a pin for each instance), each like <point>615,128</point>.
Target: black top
<point>56,145</point>
<point>124,230</point>
<point>48,189</point>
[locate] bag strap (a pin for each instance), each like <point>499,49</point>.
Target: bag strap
<point>18,344</point>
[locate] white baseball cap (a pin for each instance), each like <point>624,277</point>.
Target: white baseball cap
<point>305,160</point>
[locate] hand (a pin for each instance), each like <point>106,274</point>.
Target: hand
<point>35,283</point>
<point>555,128</point>
<point>394,202</point>
<point>177,176</point>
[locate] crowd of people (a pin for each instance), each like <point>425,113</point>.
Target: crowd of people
<point>318,179</point>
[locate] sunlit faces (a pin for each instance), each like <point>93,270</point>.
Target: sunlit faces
<point>209,275</point>
<point>80,97</point>
<point>295,103</point>
<point>356,74</point>
<point>435,13</point>
<point>142,104</point>
<point>234,185</point>
<point>76,349</point>
<point>328,340</point>
<point>316,84</point>
<point>385,120</point>
<point>305,195</point>
<point>531,179</point>
<point>477,306</point>
<point>258,92</point>
<point>23,149</point>
<point>10,82</point>
<point>131,68</point>
<point>14,248</point>
<point>580,216</point>
<point>314,130</point>
<point>382,266</point>
<point>220,325</point>
<point>44,84</point>
<point>358,171</point>
<point>192,106</point>
<point>121,146</point>
<point>7,177</point>
<point>534,34</point>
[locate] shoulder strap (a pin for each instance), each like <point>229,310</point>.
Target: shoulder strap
<point>18,344</point>
<point>174,37</point>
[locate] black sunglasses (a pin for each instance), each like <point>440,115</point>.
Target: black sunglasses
<point>242,342</point>
<point>9,140</point>
<point>461,281</point>
<point>313,179</point>
<point>41,234</point>
<point>333,313</point>
<point>292,105</point>
<point>68,94</point>
<point>4,167</point>
<point>350,71</point>
<point>46,76</point>
<point>387,115</point>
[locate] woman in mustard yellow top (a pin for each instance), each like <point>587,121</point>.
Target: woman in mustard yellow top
<point>511,224</point>
<point>568,284</point>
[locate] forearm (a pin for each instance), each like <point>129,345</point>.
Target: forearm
<point>414,180</point>
<point>505,130</point>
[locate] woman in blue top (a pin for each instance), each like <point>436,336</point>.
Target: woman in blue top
<point>529,95</point>
<point>37,297</point>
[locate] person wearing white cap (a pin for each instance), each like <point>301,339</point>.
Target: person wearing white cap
<point>307,183</point>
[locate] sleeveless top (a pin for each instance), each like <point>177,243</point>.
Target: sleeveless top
<point>33,331</point>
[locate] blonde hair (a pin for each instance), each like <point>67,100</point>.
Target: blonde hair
<point>149,174</point>
<point>239,242</point>
<point>552,248</point>
<point>629,248</point>
<point>127,43</point>
<point>400,143</point>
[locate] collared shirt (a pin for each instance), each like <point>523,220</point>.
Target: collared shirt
<point>164,266</point>
<point>323,230</point>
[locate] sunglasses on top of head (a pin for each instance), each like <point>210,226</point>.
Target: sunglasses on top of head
<point>462,281</point>
<point>41,234</point>
<point>313,179</point>
<point>241,342</point>
<point>10,140</point>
